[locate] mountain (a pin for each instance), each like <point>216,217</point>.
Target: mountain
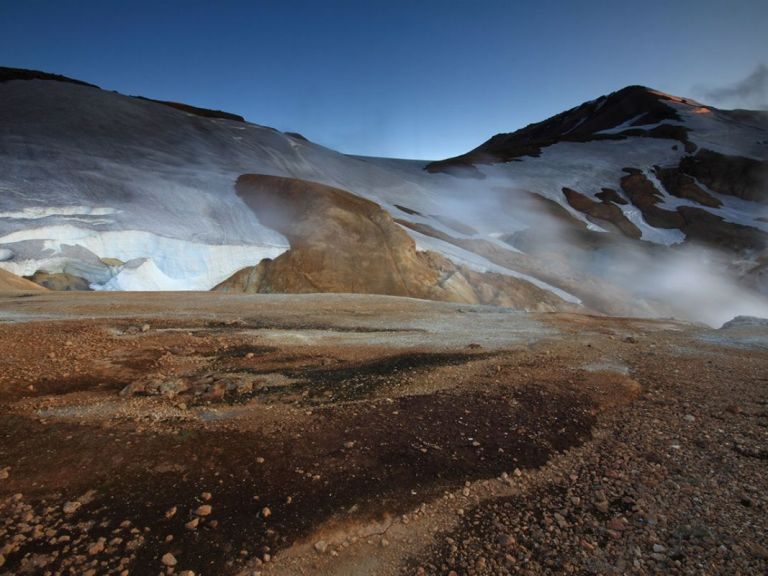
<point>607,207</point>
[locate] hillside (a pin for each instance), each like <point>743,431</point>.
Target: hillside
<point>604,206</point>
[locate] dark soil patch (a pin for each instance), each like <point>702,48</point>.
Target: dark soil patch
<point>377,456</point>
<point>356,381</point>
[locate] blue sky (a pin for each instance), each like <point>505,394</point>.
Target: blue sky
<point>412,79</point>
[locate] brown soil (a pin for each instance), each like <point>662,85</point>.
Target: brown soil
<point>11,282</point>
<point>380,436</point>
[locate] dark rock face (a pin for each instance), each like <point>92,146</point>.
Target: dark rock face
<point>8,74</point>
<point>707,228</point>
<point>684,186</point>
<point>744,178</point>
<point>297,136</point>
<point>697,224</point>
<point>610,195</point>
<point>204,112</point>
<point>643,194</point>
<point>604,213</point>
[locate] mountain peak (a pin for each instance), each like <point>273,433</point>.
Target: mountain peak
<point>632,108</point>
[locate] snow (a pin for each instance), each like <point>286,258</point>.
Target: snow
<point>170,263</point>
<point>38,212</point>
<point>713,130</point>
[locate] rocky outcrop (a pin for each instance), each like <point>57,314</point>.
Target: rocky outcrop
<point>610,195</point>
<point>343,243</point>
<point>8,74</point>
<point>738,176</point>
<point>706,228</point>
<point>11,283</point>
<point>684,186</point>
<point>60,281</point>
<point>605,214</point>
<point>196,110</point>
<point>643,194</point>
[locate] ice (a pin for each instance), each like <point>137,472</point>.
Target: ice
<point>173,263</point>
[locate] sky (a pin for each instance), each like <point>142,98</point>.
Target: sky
<point>409,79</point>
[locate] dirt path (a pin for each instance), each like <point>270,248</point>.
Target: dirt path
<point>365,435</point>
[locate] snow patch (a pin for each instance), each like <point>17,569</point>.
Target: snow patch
<point>170,263</point>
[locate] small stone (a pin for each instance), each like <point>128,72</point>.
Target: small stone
<point>517,472</point>
<point>171,512</point>
<point>192,524</point>
<point>689,418</point>
<point>321,546</point>
<point>266,512</point>
<point>602,506</point>
<point>186,573</point>
<point>145,327</point>
<point>260,460</point>
<point>659,549</point>
<point>204,510</point>
<point>561,521</point>
<point>169,559</point>
<point>206,496</point>
<point>249,355</point>
<point>5,472</point>
<point>96,548</point>
<point>71,507</point>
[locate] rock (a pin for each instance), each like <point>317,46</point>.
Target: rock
<point>204,510</point>
<point>659,549</point>
<point>192,524</point>
<point>145,328</point>
<point>561,521</point>
<point>71,507</point>
<point>321,546</point>
<point>738,321</point>
<point>206,496</point>
<point>97,547</point>
<point>266,512</point>
<point>757,550</point>
<point>689,418</point>
<point>186,573</point>
<point>602,506</point>
<point>171,512</point>
<point>5,472</point>
<point>169,559</point>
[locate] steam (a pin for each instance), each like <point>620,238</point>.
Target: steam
<point>751,92</point>
<point>688,282</point>
<point>685,281</point>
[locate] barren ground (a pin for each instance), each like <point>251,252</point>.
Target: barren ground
<point>352,435</point>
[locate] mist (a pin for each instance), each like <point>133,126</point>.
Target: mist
<point>684,280</point>
<point>750,92</point>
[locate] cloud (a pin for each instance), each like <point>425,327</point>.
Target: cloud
<point>751,92</point>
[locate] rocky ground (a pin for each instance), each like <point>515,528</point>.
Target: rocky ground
<point>341,435</point>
